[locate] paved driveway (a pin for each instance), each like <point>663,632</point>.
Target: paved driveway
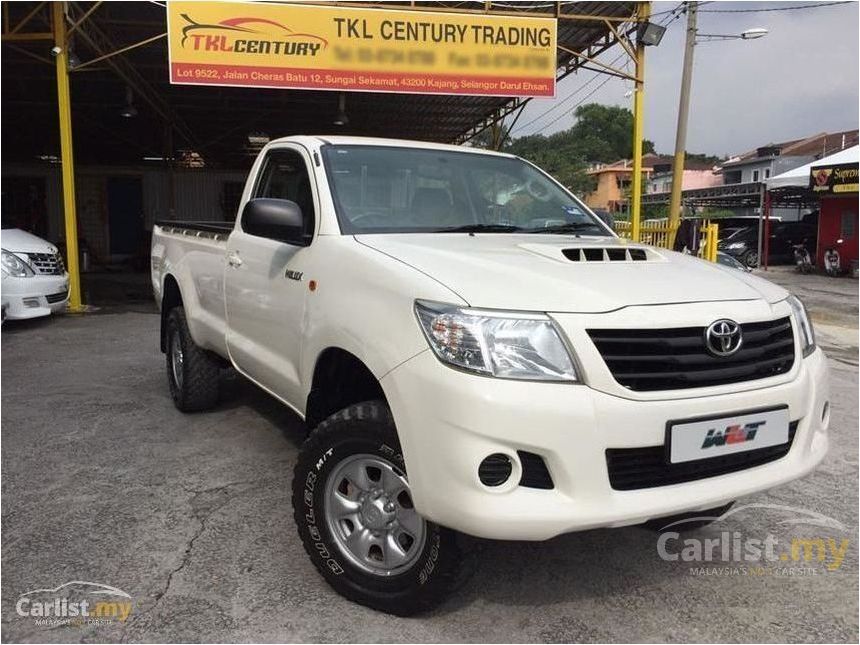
<point>104,481</point>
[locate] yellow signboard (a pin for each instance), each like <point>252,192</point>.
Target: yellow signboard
<point>303,46</point>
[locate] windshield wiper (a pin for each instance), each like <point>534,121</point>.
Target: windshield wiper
<point>570,227</point>
<point>480,228</point>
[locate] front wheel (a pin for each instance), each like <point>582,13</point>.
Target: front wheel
<point>750,258</point>
<point>354,512</point>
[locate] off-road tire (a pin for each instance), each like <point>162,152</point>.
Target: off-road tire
<point>198,388</point>
<point>662,524</point>
<point>366,428</point>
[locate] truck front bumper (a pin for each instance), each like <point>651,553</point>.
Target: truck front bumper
<point>449,421</point>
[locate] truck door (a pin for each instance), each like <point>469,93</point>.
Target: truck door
<point>264,283</point>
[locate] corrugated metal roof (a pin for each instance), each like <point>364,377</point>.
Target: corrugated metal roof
<point>820,144</point>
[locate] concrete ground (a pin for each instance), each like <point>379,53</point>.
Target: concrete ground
<point>104,481</point>
<point>832,303</point>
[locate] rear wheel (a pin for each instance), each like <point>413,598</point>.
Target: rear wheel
<point>192,372</point>
<point>355,515</point>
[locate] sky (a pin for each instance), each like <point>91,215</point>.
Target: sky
<point>799,80</point>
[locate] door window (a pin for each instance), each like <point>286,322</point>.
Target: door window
<point>285,176</point>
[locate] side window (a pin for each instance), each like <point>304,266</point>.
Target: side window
<point>285,176</point>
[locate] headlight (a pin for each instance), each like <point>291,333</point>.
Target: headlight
<point>804,326</point>
<point>506,345</point>
<point>737,245</point>
<point>15,266</point>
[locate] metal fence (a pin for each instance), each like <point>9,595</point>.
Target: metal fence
<point>658,232</point>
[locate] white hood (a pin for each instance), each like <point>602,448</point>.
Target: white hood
<point>18,241</point>
<point>530,272</point>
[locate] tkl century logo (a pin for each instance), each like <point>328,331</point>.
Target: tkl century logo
<point>245,35</point>
<point>732,434</point>
<point>723,337</point>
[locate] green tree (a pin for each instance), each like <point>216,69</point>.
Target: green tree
<point>710,160</point>
<point>606,132</point>
<point>557,155</point>
<point>602,133</point>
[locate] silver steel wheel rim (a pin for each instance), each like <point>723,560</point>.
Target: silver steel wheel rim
<point>369,512</point>
<point>176,360</point>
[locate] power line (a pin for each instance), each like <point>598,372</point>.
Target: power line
<point>679,6</point>
<point>664,22</point>
<point>583,100</point>
<point>565,99</point>
<point>791,8</point>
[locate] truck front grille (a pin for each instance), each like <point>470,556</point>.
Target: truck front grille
<point>636,468</point>
<point>673,359</point>
<point>46,263</point>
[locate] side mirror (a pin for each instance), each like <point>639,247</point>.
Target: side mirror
<point>276,219</point>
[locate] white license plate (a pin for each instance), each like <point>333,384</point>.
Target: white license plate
<point>702,439</point>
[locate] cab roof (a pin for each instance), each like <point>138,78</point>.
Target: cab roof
<point>340,140</point>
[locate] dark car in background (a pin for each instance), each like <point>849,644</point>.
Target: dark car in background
<point>742,243</point>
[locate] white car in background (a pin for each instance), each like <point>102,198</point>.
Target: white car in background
<point>35,282</point>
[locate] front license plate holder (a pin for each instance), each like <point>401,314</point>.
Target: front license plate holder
<point>725,434</point>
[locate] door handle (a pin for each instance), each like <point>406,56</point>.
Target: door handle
<point>233,259</point>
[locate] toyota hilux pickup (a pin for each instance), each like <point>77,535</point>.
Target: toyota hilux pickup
<point>473,351</point>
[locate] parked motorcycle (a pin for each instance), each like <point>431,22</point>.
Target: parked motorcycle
<point>832,260</point>
<point>802,258</point>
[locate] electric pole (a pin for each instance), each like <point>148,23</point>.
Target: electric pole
<point>683,113</point>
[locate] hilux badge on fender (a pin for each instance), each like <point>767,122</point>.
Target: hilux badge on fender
<point>723,337</point>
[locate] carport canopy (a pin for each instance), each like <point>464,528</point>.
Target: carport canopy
<point>118,58</point>
<point>799,177</point>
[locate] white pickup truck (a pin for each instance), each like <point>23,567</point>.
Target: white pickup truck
<point>473,351</point>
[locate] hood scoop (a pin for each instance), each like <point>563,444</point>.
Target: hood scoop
<point>611,254</point>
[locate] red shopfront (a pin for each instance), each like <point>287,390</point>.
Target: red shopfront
<point>836,187</point>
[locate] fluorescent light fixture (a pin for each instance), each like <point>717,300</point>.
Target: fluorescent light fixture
<point>258,139</point>
<point>755,32</point>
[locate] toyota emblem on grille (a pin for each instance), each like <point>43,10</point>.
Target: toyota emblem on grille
<point>723,337</point>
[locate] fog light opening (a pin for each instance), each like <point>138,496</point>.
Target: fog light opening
<point>495,470</point>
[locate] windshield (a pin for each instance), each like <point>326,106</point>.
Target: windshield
<point>733,232</point>
<point>387,189</point>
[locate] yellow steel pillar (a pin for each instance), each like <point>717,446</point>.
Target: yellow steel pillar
<point>66,156</point>
<point>638,129</point>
